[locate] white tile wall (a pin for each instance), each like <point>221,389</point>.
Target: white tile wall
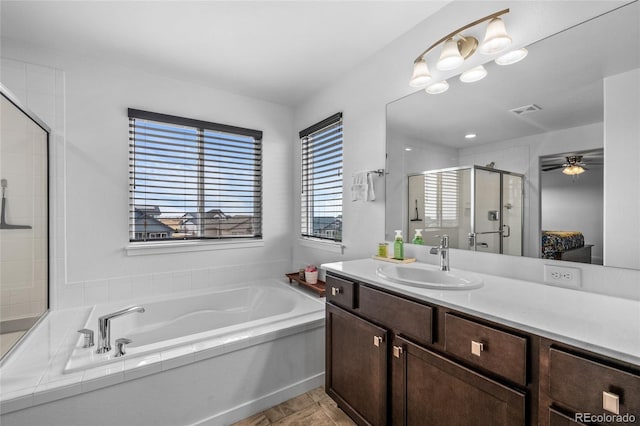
<point>23,252</point>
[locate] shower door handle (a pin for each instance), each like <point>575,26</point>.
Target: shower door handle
<point>508,233</point>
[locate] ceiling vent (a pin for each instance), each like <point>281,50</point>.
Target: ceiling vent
<point>525,109</point>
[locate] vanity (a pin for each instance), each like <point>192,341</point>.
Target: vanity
<point>509,353</point>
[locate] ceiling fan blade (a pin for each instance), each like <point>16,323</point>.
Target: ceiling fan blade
<point>549,168</point>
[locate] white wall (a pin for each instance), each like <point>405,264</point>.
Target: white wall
<point>574,204</point>
<point>96,96</point>
<point>621,172</point>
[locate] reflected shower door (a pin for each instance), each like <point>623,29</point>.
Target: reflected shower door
<point>512,214</point>
<point>487,211</point>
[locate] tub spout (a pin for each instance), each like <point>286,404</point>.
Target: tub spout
<point>104,327</point>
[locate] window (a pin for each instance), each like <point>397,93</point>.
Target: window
<point>321,205</point>
<point>191,179</point>
<point>441,199</point>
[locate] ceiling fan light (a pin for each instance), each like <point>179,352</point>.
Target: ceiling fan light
<point>512,57</point>
<point>496,38</point>
<point>421,75</point>
<point>436,88</point>
<point>450,58</point>
<point>473,74</point>
<point>573,170</point>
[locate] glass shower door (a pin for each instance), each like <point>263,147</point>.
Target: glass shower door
<point>487,212</point>
<point>512,214</point>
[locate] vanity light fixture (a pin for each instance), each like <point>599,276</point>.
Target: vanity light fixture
<point>456,48</point>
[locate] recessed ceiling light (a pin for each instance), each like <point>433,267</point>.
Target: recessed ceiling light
<point>470,136</point>
<point>408,149</point>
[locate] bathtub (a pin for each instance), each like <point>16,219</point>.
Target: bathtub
<point>221,316</point>
<point>206,358</point>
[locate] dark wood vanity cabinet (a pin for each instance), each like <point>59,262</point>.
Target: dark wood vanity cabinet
<point>386,366</point>
<point>392,360</point>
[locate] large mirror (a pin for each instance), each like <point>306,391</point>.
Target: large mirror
<point>534,121</point>
<point>24,221</point>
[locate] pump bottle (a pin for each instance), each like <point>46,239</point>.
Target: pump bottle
<point>398,246</point>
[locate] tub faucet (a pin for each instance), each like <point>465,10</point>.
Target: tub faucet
<point>443,252</point>
<point>104,327</point>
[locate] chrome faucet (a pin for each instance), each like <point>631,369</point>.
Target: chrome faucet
<point>443,252</point>
<point>104,327</point>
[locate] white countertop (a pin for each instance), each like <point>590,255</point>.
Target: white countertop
<point>606,325</point>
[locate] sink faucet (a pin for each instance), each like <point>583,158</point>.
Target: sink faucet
<point>104,327</point>
<point>443,252</point>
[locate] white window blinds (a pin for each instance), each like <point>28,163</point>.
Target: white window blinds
<point>321,201</point>
<point>191,179</point>
<point>441,199</point>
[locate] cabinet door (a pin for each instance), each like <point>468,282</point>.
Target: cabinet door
<point>356,370</point>
<point>428,389</point>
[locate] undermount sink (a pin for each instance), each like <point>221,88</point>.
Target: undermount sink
<point>428,276</point>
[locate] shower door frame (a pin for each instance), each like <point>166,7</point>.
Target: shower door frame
<point>473,206</point>
<point>11,98</point>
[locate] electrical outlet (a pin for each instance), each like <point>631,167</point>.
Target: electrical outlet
<point>562,275</point>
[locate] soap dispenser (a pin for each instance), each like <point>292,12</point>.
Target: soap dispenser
<point>398,246</point>
<point>417,239</point>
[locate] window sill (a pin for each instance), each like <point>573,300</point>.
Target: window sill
<point>140,249</point>
<point>333,247</point>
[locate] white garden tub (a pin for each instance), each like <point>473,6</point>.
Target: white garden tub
<point>222,315</point>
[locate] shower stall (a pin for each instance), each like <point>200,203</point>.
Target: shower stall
<point>24,220</point>
<point>480,208</point>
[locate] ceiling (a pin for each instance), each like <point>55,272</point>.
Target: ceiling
<point>280,51</point>
<point>562,75</point>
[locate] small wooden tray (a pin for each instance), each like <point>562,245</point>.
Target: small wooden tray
<point>318,287</point>
<point>392,260</point>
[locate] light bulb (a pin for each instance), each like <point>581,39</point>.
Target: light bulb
<point>496,38</point>
<point>512,57</point>
<point>473,74</point>
<point>436,88</point>
<point>421,75</point>
<point>450,57</point>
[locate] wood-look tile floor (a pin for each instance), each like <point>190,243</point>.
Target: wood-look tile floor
<point>313,408</point>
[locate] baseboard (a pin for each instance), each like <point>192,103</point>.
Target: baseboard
<point>255,406</point>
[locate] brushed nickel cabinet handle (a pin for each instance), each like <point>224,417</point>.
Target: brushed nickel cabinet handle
<point>377,340</point>
<point>611,402</point>
<point>336,291</point>
<point>397,351</point>
<point>476,348</point>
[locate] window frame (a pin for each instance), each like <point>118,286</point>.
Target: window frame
<point>204,142</point>
<point>306,230</point>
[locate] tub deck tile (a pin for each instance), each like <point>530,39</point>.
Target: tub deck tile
<point>174,358</point>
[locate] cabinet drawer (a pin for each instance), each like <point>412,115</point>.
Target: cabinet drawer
<point>587,386</point>
<point>405,317</point>
<point>341,292</point>
<point>497,351</point>
<point>559,419</point>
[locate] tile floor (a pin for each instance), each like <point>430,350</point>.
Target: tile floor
<point>313,408</point>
